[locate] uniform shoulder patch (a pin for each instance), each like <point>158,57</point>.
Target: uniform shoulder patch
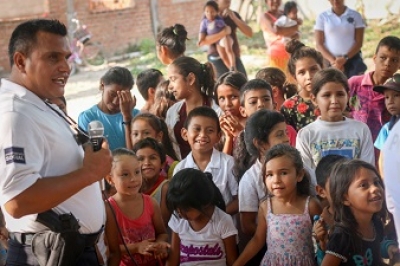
<point>15,155</point>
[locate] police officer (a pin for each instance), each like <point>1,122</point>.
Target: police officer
<point>42,162</point>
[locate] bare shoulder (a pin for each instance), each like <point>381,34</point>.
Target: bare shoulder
<point>314,207</point>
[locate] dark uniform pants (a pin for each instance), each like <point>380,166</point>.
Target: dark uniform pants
<point>21,255</point>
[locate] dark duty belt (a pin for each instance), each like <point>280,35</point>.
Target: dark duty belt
<point>26,238</point>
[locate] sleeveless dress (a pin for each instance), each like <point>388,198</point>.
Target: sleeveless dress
<point>136,230</point>
<point>289,239</point>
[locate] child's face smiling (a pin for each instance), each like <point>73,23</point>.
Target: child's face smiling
<point>202,134</point>
<point>392,101</point>
<point>150,162</point>
<point>178,84</point>
<point>141,129</point>
<point>281,177</point>
<point>126,175</point>
<point>331,101</point>
<point>365,193</point>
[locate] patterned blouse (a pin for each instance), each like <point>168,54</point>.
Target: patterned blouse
<point>298,112</point>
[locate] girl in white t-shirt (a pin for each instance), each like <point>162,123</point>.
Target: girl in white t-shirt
<point>332,132</point>
<point>202,233</point>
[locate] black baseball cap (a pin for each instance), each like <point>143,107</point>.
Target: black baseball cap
<point>392,83</point>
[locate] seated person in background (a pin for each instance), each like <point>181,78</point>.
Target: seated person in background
<point>147,82</point>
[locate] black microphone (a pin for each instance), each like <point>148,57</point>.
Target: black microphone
<point>96,132</point>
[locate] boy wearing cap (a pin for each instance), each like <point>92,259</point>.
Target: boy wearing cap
<point>391,92</point>
<point>366,105</point>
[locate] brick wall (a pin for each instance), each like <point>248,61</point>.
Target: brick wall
<point>115,30</point>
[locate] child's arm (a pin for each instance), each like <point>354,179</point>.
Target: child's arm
<point>174,254</point>
<point>202,37</point>
<point>160,249</point>
<point>112,235</point>
<point>230,250</point>
<point>248,222</point>
<point>258,240</point>
<point>243,27</point>
<point>233,206</point>
<point>330,260</point>
<point>314,208</point>
<point>213,38</point>
<point>126,103</point>
<point>165,214</point>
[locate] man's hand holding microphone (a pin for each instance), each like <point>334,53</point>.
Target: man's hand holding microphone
<point>97,159</point>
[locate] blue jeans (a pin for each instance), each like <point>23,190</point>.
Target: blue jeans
<point>220,67</point>
<point>354,66</point>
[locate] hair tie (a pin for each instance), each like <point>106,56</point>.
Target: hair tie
<point>174,31</point>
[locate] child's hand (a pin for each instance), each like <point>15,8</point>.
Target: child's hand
<point>320,233</point>
<point>4,237</point>
<point>393,250</point>
<point>127,102</point>
<point>144,247</point>
<point>299,21</point>
<point>159,249</point>
<point>228,13</point>
<point>230,125</point>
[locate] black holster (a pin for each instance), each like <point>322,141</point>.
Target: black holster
<point>62,245</point>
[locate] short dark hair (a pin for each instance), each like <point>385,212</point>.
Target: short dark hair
<point>289,5</point>
<point>254,84</point>
<point>391,42</point>
<point>328,75</point>
<point>24,37</point>
<point>118,75</point>
<point>152,144</point>
<point>213,4</point>
<point>202,111</point>
<point>276,77</point>
<point>146,79</point>
<point>325,166</point>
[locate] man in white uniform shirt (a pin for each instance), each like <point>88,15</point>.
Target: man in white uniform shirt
<point>42,164</point>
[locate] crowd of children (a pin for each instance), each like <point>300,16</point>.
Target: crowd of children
<point>237,171</point>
